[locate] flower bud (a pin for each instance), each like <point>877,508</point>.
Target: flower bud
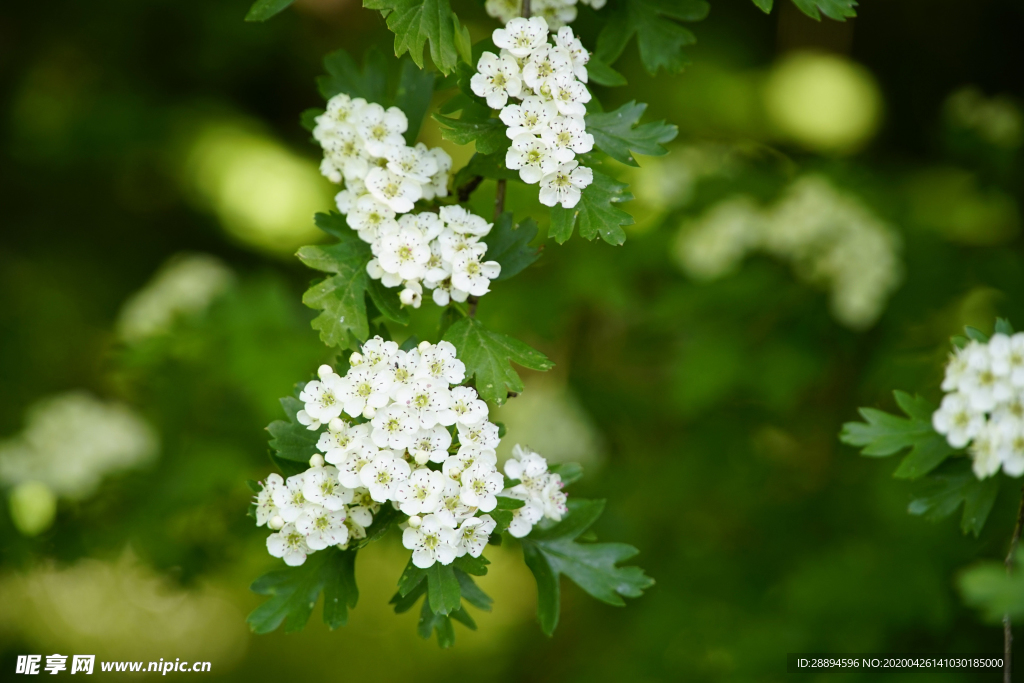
<point>316,461</point>
<point>324,371</point>
<point>415,521</point>
<point>276,522</point>
<point>369,412</point>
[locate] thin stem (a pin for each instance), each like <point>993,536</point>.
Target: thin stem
<point>525,13</point>
<point>472,301</point>
<point>466,190</point>
<point>499,199</point>
<point>1007,625</point>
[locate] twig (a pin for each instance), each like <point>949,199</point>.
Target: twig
<point>468,189</point>
<point>471,308</point>
<point>525,13</point>
<point>499,199</point>
<point>1007,625</point>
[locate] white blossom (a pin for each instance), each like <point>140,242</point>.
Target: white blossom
<point>472,275</point>
<point>289,499</point>
<point>439,361</point>
<point>397,192</point>
<point>265,507</point>
<point>394,426</point>
<point>322,527</point>
<point>381,129</point>
<point>433,541</point>
<point>531,157</point>
<point>522,36</point>
<point>420,494</point>
<point>468,408</point>
<point>322,487</point>
<point>565,185</point>
<point>384,476</point>
<point>497,79</point>
<point>290,544</point>
<point>430,445</point>
<point>480,484</point>
<point>532,117</point>
<point>473,535</point>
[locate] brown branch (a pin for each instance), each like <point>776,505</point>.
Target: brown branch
<point>525,13</point>
<point>1007,625</point>
<point>499,199</point>
<point>471,308</point>
<point>468,189</point>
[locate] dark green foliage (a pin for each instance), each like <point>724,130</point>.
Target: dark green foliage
<point>294,592</point>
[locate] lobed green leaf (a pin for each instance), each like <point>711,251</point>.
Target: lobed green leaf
<point>294,592</point>
<point>620,135</point>
<point>509,245</point>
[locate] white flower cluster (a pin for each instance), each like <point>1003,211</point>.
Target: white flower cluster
<point>984,406</point>
<point>399,432</point>
<point>73,441</point>
<point>546,124</point>
<point>831,239</point>
<point>557,13</point>
<point>541,490</point>
<point>384,178</point>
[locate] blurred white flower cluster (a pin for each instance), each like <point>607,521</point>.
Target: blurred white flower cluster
<point>557,13</point>
<point>541,490</point>
<point>984,406</point>
<point>384,178</point>
<point>186,284</point>
<point>830,237</point>
<point>546,126</point>
<point>72,441</point>
<point>399,431</point>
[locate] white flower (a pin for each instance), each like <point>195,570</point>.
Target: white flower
<point>384,476</point>
<point>445,292</point>
<point>579,55</point>
<point>466,458</point>
<point>469,409</point>
<point>399,193</point>
<point>321,486</point>
<point>290,544</point>
<point>497,79</point>
<point>1007,354</point>
<point>438,185</point>
<point>524,518</point>
<point>346,199</point>
<point>985,450</point>
<point>362,509</point>
<point>546,63</point>
<point>480,485</point>
<point>567,136</point>
<point>433,541</point>
<point>531,157</point>
<point>369,217</point>
<point>532,117</point>
<point>364,387</point>
<point>394,427</point>
<point>530,468</point>
<point>289,498</point>
<point>421,493</point>
<point>381,129</point>
<point>412,162</point>
<point>556,12</point>
<point>265,507</point>
<point>340,113</point>
<point>430,224</point>
<point>351,464</point>
<point>439,361</point>
<point>453,510</point>
<point>522,36</point>
<point>503,10</point>
<point>1010,444</point>
<point>322,527</point>
<point>303,418</point>
<point>377,352</point>
<point>430,445</point>
<point>980,384</point>
<point>339,437</point>
<point>565,186</point>
<point>483,436</point>
<point>569,96</point>
<point>473,535</point>
<point>323,399</point>
<point>401,369</point>
<point>957,420</point>
<point>332,173</point>
<point>412,295</point>
<point>462,221</point>
<point>428,400</point>
<point>345,150</point>
<point>404,252</point>
<point>451,243</point>
<point>956,368</point>
<point>553,499</point>
<point>472,275</point>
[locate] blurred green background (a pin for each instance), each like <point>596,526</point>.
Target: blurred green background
<point>842,198</point>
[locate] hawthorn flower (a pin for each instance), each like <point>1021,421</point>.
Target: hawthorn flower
<point>341,110</point>
<point>404,252</point>
<point>565,185</point>
<point>531,157</point>
<point>524,518</point>
<point>289,499</point>
<point>522,36</point>
<point>322,527</point>
<point>433,541</point>
<point>473,535</point>
<point>430,445</point>
<point>1010,445</point>
<point>350,464</point>
<point>468,408</point>
<point>400,370</point>
<point>569,96</point>
<point>322,399</point>
<point>553,499</point>
<point>567,136</point>
<point>265,507</point>
<point>427,400</point>
<point>346,152</point>
<point>455,465</point>
<point>290,544</point>
<point>364,388</point>
<point>472,275</point>
<point>451,243</point>
<point>1007,358</point>
<point>411,162</point>
<point>394,427</point>
<point>384,476</point>
<point>577,53</point>
<point>438,185</point>
<point>462,221</point>
<point>541,490</point>
<point>480,484</point>
<point>532,117</point>
<point>369,217</point>
<point>340,436</point>
<point>545,63</point>
<point>397,192</point>
<point>483,436</point>
<point>380,128</point>
<point>497,79</point>
<point>420,494</point>
<point>529,467</point>
<point>439,362</point>
<point>321,486</point>
<point>445,292</point>
<point>412,295</point>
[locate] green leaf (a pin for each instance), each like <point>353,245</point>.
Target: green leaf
<point>506,503</point>
<point>488,134</point>
<point>417,22</point>
<point>620,135</point>
<point>344,76</point>
<point>432,622</point>
<point>597,213</point>
<point>463,42</point>
<point>975,334</point>
<point>1003,326</point>
<point>262,10</point>
<point>308,118</point>
<point>833,9</point>
<point>488,356</point>
<point>387,302</point>
<point>443,591</point>
<point>660,39</point>
<point>412,578</point>
<point>883,434</point>
<point>413,93</point>
<point>472,593</point>
<point>294,591</point>
<point>570,472</point>
<point>291,440</point>
<point>764,5</point>
<point>988,587</point>
<point>510,246</point>
<point>477,566</point>
<point>485,166</point>
<point>940,494</point>
<point>594,567</point>
<point>602,74</point>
